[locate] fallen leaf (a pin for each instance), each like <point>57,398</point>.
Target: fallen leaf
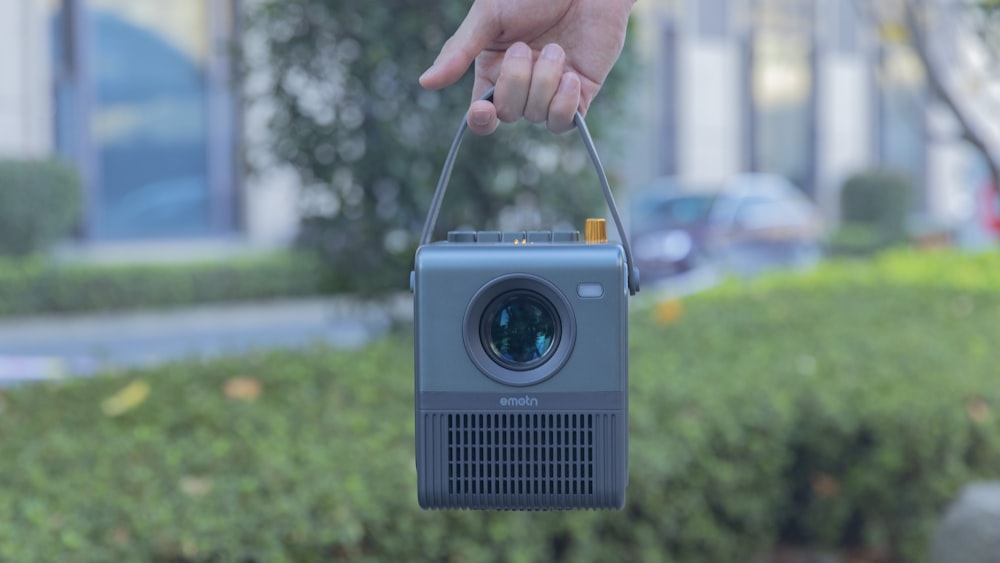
<point>56,521</point>
<point>978,410</point>
<point>128,398</point>
<point>668,312</point>
<point>806,365</point>
<point>867,555</point>
<point>189,548</point>
<point>825,486</point>
<point>242,388</point>
<point>195,486</point>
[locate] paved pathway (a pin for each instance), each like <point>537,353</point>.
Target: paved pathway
<point>61,346</point>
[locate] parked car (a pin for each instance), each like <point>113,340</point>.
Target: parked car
<point>743,226</point>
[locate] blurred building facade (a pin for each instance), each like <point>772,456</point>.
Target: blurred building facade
<point>809,89</point>
<point>25,108</point>
<point>142,96</point>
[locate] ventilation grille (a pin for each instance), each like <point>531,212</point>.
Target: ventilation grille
<point>540,460</point>
<point>520,454</point>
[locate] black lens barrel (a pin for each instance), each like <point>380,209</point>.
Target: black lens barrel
<point>520,330</point>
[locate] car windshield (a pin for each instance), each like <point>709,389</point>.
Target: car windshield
<point>681,211</point>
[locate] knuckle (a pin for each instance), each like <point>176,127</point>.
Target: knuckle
<point>507,115</point>
<point>534,115</point>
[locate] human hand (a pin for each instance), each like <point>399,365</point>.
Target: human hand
<point>546,59</point>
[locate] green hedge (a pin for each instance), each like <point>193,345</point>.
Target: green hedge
<point>39,204</point>
<point>842,408</point>
<point>34,286</point>
<point>874,208</point>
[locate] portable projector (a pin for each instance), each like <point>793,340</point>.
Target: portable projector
<point>521,365</point>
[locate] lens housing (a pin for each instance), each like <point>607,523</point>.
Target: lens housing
<point>519,329</point>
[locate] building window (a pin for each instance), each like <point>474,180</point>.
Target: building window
<point>846,36</point>
<point>713,18</point>
<point>144,107</point>
<point>901,102</point>
<point>783,106</point>
<point>781,74</point>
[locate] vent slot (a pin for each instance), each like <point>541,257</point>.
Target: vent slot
<point>520,454</point>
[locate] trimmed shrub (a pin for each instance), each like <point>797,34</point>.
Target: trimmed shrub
<point>874,206</point>
<point>39,204</point>
<point>855,240</point>
<point>33,286</point>
<point>844,407</point>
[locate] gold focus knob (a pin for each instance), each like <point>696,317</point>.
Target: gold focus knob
<point>596,231</point>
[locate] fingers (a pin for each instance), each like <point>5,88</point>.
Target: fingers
<point>564,104</point>
<point>478,29</point>
<point>482,117</point>
<point>511,93</point>
<point>544,81</point>
<point>538,90</point>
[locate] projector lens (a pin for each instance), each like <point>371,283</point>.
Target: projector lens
<point>520,330</point>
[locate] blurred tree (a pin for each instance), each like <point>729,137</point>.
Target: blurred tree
<point>368,143</point>
<point>931,28</point>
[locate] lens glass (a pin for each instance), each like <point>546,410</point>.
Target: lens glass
<point>520,330</point>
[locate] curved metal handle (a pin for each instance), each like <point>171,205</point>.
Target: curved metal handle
<point>588,142</point>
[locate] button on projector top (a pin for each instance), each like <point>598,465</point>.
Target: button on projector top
<point>539,236</point>
<point>566,236</point>
<point>462,236</point>
<point>488,236</point>
<point>512,236</point>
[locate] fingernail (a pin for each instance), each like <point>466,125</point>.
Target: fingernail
<point>428,72</point>
<point>552,52</point>
<point>480,117</point>
<point>519,50</point>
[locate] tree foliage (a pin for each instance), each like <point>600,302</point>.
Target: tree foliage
<point>367,142</point>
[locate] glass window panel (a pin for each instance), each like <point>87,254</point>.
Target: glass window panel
<point>148,120</point>
<point>782,98</point>
<point>785,15</point>
<point>901,112</point>
<point>712,18</point>
<point>847,26</point>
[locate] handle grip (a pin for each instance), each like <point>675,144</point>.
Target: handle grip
<point>588,142</point>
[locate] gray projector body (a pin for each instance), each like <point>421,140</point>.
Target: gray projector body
<point>539,434</point>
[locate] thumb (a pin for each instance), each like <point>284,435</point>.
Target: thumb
<point>478,29</point>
